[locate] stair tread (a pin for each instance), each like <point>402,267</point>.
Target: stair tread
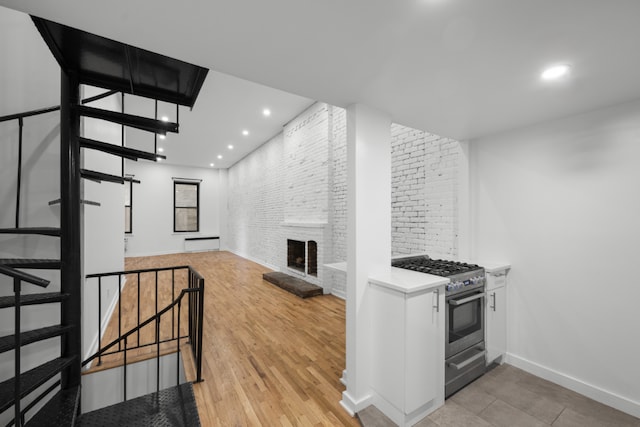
<point>31,263</point>
<point>99,176</point>
<point>30,380</point>
<point>8,342</point>
<point>60,410</point>
<point>142,123</point>
<point>46,231</point>
<point>31,299</point>
<point>174,406</point>
<point>117,150</point>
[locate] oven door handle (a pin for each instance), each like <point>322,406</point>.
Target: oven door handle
<point>466,300</point>
<point>468,361</point>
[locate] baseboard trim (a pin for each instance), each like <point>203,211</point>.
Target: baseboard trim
<point>104,323</point>
<point>596,393</point>
<point>257,261</point>
<point>351,405</point>
<point>339,294</point>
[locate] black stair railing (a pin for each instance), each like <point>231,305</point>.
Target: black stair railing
<point>20,118</point>
<point>18,278</point>
<point>185,283</point>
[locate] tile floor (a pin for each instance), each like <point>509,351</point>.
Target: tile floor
<point>510,397</point>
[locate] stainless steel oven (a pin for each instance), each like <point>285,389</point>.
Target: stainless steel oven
<point>464,321</point>
<point>464,347</point>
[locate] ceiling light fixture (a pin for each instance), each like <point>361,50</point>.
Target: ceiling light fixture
<point>165,119</point>
<point>160,149</point>
<point>266,112</point>
<point>245,132</point>
<point>230,147</point>
<point>219,156</point>
<point>163,136</point>
<point>555,72</point>
<point>211,164</point>
<point>159,159</point>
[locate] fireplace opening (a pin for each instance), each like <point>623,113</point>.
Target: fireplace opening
<point>303,256</point>
<point>296,257</point>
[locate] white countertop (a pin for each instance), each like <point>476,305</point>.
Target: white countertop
<point>492,267</point>
<point>407,281</point>
<point>398,279</point>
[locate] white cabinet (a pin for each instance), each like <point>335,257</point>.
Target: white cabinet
<point>496,314</point>
<point>408,352</point>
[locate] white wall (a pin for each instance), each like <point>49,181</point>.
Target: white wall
<point>560,202</point>
<point>29,79</point>
<point>105,388</point>
<point>153,207</point>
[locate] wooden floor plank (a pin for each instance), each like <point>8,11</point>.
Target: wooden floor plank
<point>270,358</point>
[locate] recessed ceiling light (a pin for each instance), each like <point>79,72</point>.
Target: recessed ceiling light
<point>211,164</point>
<point>164,118</point>
<point>266,112</point>
<point>160,149</point>
<point>159,159</point>
<point>245,132</point>
<point>219,156</point>
<point>230,147</point>
<point>163,136</point>
<point>555,72</point>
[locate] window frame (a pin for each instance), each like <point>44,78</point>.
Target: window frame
<point>197,207</point>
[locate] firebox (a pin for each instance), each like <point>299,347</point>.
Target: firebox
<point>303,256</point>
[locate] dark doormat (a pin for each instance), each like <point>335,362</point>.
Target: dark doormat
<point>296,286</point>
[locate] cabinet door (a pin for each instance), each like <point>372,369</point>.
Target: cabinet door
<point>425,350</point>
<point>496,314</point>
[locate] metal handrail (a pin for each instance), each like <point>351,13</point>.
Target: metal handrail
<point>25,277</point>
<point>194,289</point>
<point>54,108</point>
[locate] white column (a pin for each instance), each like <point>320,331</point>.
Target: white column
<point>368,238</point>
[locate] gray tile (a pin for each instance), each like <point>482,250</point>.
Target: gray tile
<point>544,409</point>
<point>454,415</point>
<point>603,414</point>
<point>425,422</point>
<point>373,417</point>
<point>473,398</point>
<point>570,418</point>
<point>501,414</point>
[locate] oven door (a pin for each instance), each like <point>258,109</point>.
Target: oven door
<point>464,321</point>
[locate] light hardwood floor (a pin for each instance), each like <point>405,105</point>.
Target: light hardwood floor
<point>270,358</point>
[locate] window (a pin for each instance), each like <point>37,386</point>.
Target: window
<point>186,200</point>
<point>128,203</point>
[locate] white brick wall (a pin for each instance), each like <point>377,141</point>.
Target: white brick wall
<point>424,193</point>
<point>256,207</point>
<point>300,177</point>
<point>338,211</point>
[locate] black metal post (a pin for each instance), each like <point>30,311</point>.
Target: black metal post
<point>16,391</point>
<point>157,354</point>
<point>99,318</point>
<point>178,352</point>
<point>124,367</point>
<point>20,126</point>
<point>200,328</point>
<point>122,130</point>
<point>119,312</point>
<point>70,223</point>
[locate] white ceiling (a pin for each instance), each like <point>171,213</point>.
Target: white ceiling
<point>458,68</point>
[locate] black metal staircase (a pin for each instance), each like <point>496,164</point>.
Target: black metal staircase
<point>84,58</point>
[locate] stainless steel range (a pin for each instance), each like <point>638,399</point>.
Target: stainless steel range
<point>464,348</point>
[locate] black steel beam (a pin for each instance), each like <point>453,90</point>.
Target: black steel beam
<point>70,225</point>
